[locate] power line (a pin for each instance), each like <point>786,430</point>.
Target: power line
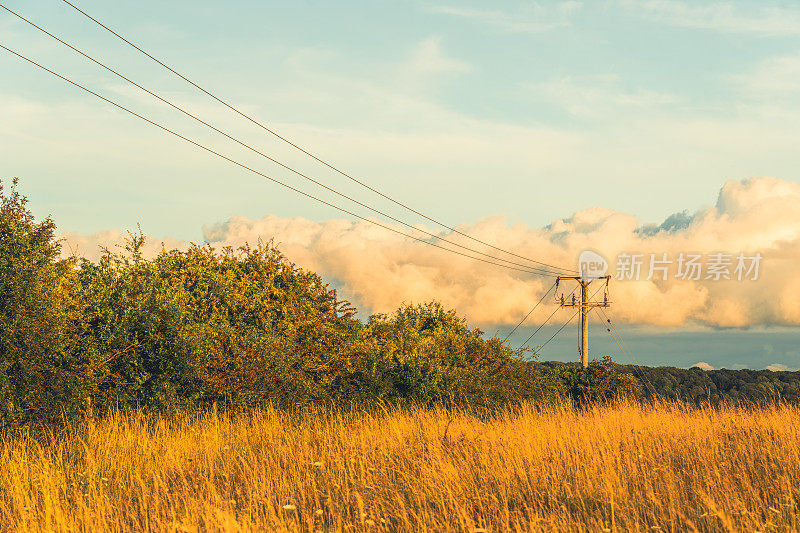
<point>612,335</point>
<point>545,322</point>
<point>608,321</point>
<point>557,332</point>
<point>251,148</point>
<point>626,352</point>
<point>187,113</point>
<point>301,149</point>
<point>565,323</point>
<point>242,165</point>
<point>529,312</point>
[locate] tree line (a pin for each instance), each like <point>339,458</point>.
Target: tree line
<point>714,386</point>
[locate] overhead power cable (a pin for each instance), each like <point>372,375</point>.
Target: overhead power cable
<point>250,169</point>
<point>625,350</point>
<point>531,311</point>
<point>303,150</point>
<point>255,150</point>
<point>567,322</point>
<point>249,147</point>
<point>608,321</point>
<point>545,322</point>
<point>557,332</point>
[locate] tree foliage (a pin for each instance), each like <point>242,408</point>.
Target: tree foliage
<point>600,382</point>
<point>197,326</point>
<point>699,386</point>
<point>41,368</point>
<point>239,327</point>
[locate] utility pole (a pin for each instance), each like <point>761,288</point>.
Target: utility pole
<point>584,306</point>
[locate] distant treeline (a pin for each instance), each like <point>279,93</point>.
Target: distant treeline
<point>703,386</point>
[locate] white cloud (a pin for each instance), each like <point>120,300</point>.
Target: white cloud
<point>703,366</point>
<point>777,367</point>
<point>597,96</point>
<point>774,77</point>
<point>536,19</point>
<point>428,58</point>
<point>379,270</point>
<point>729,17</point>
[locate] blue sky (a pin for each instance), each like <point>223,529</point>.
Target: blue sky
<point>529,110</point>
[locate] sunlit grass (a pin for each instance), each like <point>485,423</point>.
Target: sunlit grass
<point>610,468</point>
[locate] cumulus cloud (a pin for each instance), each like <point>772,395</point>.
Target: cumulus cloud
<point>429,59</point>
<point>703,366</point>
<point>773,78</point>
<point>378,270</point>
<point>777,367</point>
<point>728,17</point>
<point>93,246</point>
<point>535,19</point>
<point>597,96</point>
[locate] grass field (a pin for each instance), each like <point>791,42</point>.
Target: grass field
<point>617,468</point>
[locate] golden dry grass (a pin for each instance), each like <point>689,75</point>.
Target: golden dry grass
<point>606,469</point>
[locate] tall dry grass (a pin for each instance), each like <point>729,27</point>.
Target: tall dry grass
<point>626,467</point>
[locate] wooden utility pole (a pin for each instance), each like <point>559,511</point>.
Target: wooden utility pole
<point>585,306</point>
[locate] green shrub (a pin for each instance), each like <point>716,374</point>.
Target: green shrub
<point>42,372</point>
<point>244,327</point>
<point>600,382</point>
<point>428,354</point>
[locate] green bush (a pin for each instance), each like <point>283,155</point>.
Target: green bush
<point>244,327</point>
<point>42,372</point>
<point>429,354</point>
<point>600,382</point>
